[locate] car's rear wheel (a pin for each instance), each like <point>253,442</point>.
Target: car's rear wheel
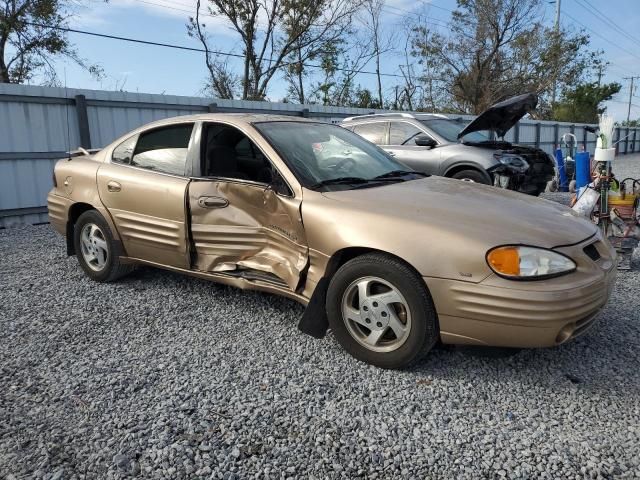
<point>381,312</point>
<point>97,251</point>
<point>471,176</point>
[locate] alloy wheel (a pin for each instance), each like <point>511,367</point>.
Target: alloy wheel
<point>376,314</point>
<point>93,244</point>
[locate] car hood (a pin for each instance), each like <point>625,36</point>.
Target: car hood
<point>502,116</point>
<point>476,212</point>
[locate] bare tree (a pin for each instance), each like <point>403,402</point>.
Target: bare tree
<point>381,42</point>
<point>340,68</point>
<point>30,40</point>
<point>222,82</point>
<point>270,30</point>
<point>498,48</point>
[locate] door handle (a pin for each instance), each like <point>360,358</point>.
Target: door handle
<point>393,154</point>
<point>212,202</point>
<point>114,186</point>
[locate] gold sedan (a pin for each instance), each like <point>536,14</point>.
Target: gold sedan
<point>390,259</point>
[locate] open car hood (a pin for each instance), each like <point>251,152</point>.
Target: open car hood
<point>503,115</point>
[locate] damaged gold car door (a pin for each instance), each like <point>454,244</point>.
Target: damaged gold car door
<point>247,229</point>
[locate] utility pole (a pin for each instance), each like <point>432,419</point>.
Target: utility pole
<point>555,67</point>
<point>632,78</point>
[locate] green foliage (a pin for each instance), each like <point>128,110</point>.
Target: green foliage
<point>630,123</point>
<point>496,49</point>
<point>582,103</point>
<point>28,44</point>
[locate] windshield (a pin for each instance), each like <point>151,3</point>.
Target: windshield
<point>449,130</point>
<point>329,157</point>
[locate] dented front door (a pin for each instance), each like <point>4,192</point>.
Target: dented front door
<point>240,227</point>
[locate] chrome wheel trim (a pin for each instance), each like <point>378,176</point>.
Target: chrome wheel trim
<point>468,180</point>
<point>376,314</point>
<point>93,246</point>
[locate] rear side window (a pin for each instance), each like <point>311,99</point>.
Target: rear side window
<point>401,132</point>
<point>374,132</point>
<point>163,150</point>
<point>123,152</point>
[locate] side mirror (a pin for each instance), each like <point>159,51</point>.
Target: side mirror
<point>425,141</point>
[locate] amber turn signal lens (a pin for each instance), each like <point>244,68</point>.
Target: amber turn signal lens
<point>505,260</point>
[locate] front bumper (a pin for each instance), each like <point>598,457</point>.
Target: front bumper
<point>507,313</point>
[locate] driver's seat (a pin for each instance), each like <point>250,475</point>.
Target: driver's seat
<point>222,161</point>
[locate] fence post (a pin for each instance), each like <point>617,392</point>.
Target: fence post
<point>213,107</point>
<point>83,121</point>
<point>538,128</point>
<point>635,134</point>
<point>516,133</point>
<point>584,140</point>
<point>626,141</point>
<point>556,134</point>
<point>305,113</point>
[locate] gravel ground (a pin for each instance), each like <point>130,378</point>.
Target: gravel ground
<point>165,376</point>
<point>161,375</point>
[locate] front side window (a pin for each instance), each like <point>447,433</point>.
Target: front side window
<point>324,156</point>
<point>400,133</point>
<point>123,152</point>
<point>164,149</point>
<point>449,130</point>
<point>374,132</point>
<point>229,153</point>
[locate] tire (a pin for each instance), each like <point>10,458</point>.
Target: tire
<point>540,189</point>
<point>394,292</point>
<point>97,252</point>
<point>470,175</point>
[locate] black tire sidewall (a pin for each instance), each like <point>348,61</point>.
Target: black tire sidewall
<point>92,216</point>
<point>424,329</point>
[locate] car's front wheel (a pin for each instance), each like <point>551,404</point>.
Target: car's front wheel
<point>381,312</point>
<point>97,251</point>
<point>471,176</point>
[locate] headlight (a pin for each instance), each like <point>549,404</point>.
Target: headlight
<point>528,263</point>
<point>514,161</point>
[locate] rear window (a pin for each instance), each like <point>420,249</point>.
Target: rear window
<point>164,150</point>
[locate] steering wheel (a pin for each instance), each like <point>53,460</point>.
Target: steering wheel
<point>340,164</point>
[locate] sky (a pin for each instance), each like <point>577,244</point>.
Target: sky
<point>152,69</point>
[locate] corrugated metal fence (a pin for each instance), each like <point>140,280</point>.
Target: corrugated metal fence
<point>39,124</point>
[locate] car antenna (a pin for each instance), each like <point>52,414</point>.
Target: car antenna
<point>66,94</point>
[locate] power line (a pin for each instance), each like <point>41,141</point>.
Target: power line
<point>602,37</point>
<point>601,16</point>
<point>200,50</point>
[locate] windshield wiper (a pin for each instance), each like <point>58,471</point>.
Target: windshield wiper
<point>341,181</point>
<point>395,174</point>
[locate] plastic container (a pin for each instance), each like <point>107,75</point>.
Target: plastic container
<point>604,154</point>
<point>564,181</point>
<point>583,169</point>
<point>625,206</point>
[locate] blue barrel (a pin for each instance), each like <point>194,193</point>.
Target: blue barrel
<point>564,182</point>
<point>583,169</point>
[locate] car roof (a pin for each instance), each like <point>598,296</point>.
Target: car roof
<point>394,116</point>
<point>238,118</point>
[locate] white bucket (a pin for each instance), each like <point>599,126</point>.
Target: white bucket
<point>604,154</point>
